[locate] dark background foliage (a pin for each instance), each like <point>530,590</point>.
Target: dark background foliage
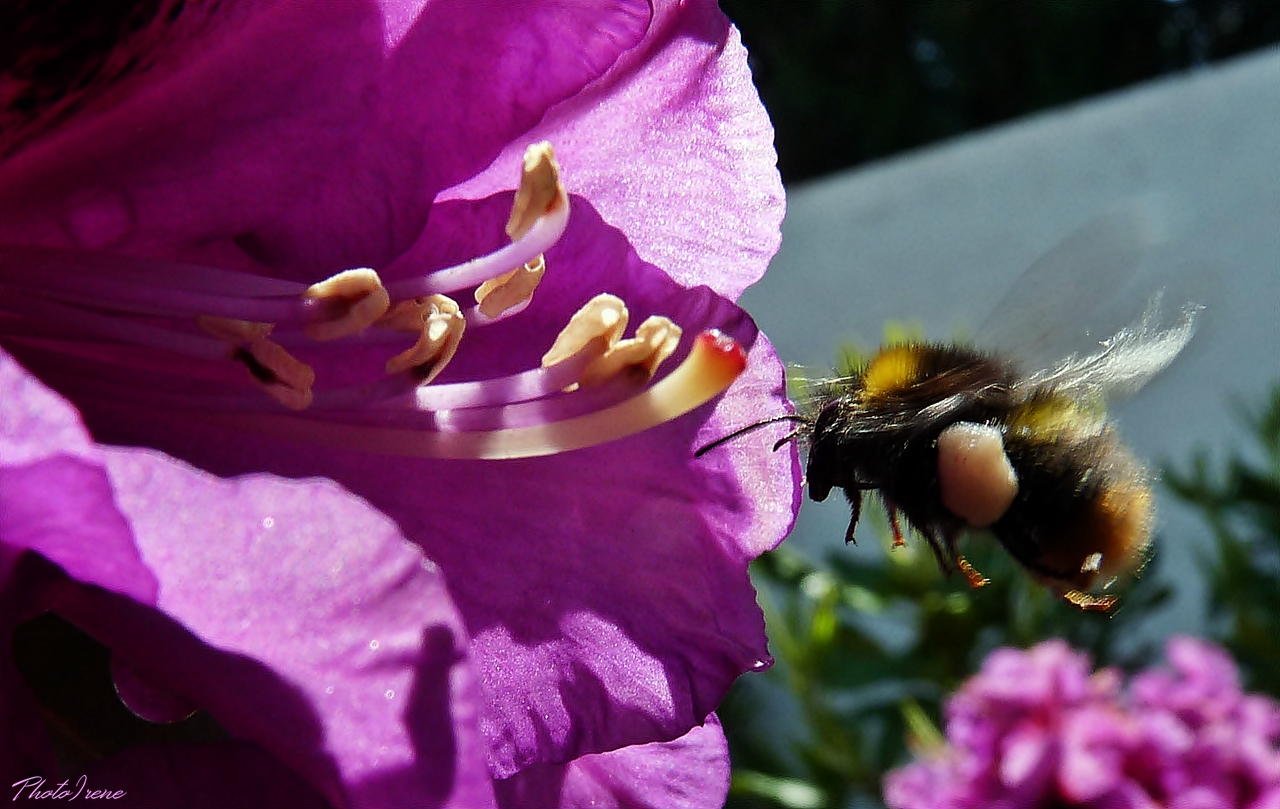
<point>847,81</point>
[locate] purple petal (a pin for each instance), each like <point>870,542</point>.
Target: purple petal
<point>36,423</point>
<point>1166,734</point>
<point>605,590</point>
<point>1201,798</point>
<point>299,618</point>
<point>62,508</point>
<point>1186,739</point>
<point>458,83</point>
<point>308,134</point>
<point>466,81</point>
<point>1047,674</point>
<point>309,137</point>
<point>55,497</point>
<point>195,147</point>
<point>681,133</point>
<point>1095,743</point>
<point>55,500</point>
<point>1203,689</point>
<point>1027,759</point>
<point>1128,796</point>
<point>1268,800</point>
<point>925,784</point>
<point>691,772</point>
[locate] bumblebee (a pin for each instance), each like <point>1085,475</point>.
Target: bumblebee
<point>953,438</point>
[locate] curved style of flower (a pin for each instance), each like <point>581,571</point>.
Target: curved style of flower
<point>407,547</point>
<point>1036,729</point>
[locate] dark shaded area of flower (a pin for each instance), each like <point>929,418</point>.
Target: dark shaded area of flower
<point>54,55</point>
<point>1037,728</point>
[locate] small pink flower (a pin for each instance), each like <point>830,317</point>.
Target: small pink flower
<point>1185,738</point>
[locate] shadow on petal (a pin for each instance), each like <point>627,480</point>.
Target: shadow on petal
<point>448,764</point>
<point>246,697</point>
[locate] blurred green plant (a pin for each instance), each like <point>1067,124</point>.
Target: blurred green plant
<point>1241,504</point>
<point>868,645</point>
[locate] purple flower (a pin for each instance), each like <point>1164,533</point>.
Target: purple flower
<point>236,249</point>
<point>1036,729</point>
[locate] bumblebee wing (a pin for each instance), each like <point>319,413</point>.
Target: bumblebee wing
<point>1127,360</point>
<point>1041,316</point>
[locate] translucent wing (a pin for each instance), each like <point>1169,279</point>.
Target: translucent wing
<point>1044,314</point>
<point>1127,360</point>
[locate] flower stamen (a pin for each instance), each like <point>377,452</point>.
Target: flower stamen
<point>172,337</point>
<point>636,358</point>
<point>47,318</point>
<point>440,325</point>
<point>510,293</point>
<point>540,190</point>
<point>234,331</point>
<point>539,216</point>
<point>597,327</point>
<point>276,371</point>
<point>713,363</point>
<point>360,300</point>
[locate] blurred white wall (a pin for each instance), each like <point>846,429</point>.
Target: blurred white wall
<point>937,236</point>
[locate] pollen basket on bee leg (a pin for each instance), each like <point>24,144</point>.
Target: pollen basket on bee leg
<point>975,478</point>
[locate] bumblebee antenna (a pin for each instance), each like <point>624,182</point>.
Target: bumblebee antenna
<point>744,430</point>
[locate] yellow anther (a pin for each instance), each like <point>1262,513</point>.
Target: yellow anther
<point>600,324</point>
<point>237,332</point>
<point>639,356</point>
<point>497,295</point>
<point>281,376</point>
<point>362,300</point>
<point>440,325</point>
<point>408,315</point>
<point>540,189</point>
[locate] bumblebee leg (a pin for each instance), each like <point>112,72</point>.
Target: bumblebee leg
<point>1088,601</point>
<point>898,541</point>
<point>971,573</point>
<point>855,511</point>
